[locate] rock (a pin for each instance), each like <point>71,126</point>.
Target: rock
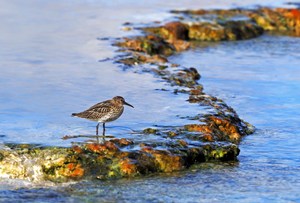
<point>150,131</point>
<point>187,77</point>
<point>106,160</point>
<point>230,30</point>
<point>150,44</point>
<point>170,31</point>
<point>138,58</point>
<point>282,20</point>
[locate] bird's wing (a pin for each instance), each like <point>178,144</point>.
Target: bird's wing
<point>102,107</point>
<point>95,112</point>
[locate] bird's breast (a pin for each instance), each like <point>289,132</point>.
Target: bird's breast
<point>111,115</point>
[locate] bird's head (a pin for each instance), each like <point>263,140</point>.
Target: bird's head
<point>121,101</point>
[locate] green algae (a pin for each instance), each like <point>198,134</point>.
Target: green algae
<point>149,131</point>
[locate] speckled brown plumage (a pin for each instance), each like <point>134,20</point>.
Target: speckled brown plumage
<point>104,112</point>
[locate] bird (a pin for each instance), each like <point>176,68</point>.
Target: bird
<point>104,112</point>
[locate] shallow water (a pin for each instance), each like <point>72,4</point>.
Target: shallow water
<point>49,68</point>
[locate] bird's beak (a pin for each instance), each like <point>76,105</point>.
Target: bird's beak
<point>128,104</point>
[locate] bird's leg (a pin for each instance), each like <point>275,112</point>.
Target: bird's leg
<point>97,132</point>
<point>103,129</point>
<point>97,128</point>
<point>103,132</point>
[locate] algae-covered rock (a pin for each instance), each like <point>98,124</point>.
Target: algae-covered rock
<point>149,44</point>
<point>208,25</point>
<point>106,160</point>
<point>282,20</point>
<point>230,30</point>
<point>31,163</point>
<point>175,33</point>
<point>150,131</point>
<point>186,77</point>
<point>207,32</point>
<point>139,58</point>
<point>170,31</point>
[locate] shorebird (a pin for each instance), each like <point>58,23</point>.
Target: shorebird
<point>104,112</point>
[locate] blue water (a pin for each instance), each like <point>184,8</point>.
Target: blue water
<point>50,68</point>
<point>49,60</point>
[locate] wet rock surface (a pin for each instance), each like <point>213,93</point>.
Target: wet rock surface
<point>111,159</point>
<point>278,20</point>
<point>212,136</point>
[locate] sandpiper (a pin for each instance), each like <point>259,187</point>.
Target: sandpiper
<point>104,112</point>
